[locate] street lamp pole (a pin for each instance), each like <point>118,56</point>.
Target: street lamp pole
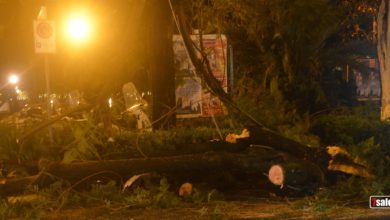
<point>13,80</point>
<point>44,35</point>
<point>48,92</point>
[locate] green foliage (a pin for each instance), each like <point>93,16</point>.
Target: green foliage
<point>163,197</point>
<point>343,129</point>
<point>85,138</point>
<point>155,196</point>
<point>282,56</point>
<point>107,194</point>
<point>140,196</point>
<point>289,50</point>
<point>174,141</point>
<point>205,196</point>
<point>360,132</point>
<point>38,146</point>
<point>287,39</point>
<point>30,149</point>
<point>61,195</point>
<point>375,155</point>
<point>19,210</point>
<point>352,188</point>
<point>9,150</point>
<point>349,192</point>
<point>56,195</point>
<point>72,140</point>
<point>299,132</point>
<point>214,213</point>
<point>348,126</point>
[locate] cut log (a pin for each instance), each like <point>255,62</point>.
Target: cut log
<point>276,175</point>
<point>299,176</point>
<point>17,185</point>
<point>185,189</point>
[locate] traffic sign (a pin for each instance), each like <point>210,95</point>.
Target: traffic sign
<point>44,36</point>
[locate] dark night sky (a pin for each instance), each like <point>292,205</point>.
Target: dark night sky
<point>113,56</point>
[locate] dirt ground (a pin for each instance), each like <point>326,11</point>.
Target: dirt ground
<point>243,203</point>
<point>252,208</point>
<point>260,209</point>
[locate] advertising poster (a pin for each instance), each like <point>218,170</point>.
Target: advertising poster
<point>368,86</point>
<point>188,97</point>
<point>192,98</point>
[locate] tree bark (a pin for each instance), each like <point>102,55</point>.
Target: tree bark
<point>384,61</point>
<point>264,137</point>
<point>187,165</point>
<point>15,186</point>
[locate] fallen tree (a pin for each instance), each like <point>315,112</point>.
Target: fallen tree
<point>255,164</point>
<point>288,164</point>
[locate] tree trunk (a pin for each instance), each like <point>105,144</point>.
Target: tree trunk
<point>384,61</point>
<point>161,71</point>
<point>296,168</point>
<point>186,165</point>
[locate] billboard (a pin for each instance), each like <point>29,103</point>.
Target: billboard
<point>368,86</point>
<point>192,98</point>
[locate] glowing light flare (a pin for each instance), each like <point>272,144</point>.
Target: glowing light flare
<point>13,79</point>
<point>78,28</point>
<point>17,90</point>
<point>110,102</point>
<point>51,103</point>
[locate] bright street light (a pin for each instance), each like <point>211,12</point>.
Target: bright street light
<point>13,79</point>
<point>78,28</point>
<point>17,90</point>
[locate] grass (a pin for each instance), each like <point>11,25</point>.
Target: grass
<point>108,195</point>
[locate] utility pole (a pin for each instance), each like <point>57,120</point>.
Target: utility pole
<point>162,76</point>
